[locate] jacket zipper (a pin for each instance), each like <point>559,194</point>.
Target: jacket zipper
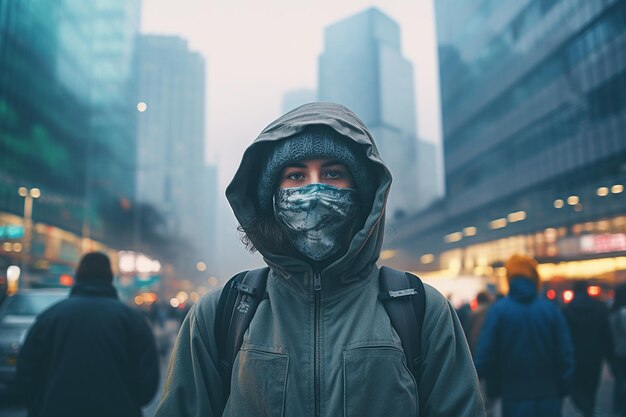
<point>317,287</point>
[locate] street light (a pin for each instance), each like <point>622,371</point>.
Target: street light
<point>29,195</point>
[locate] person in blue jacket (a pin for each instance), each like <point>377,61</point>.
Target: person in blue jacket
<point>525,348</point>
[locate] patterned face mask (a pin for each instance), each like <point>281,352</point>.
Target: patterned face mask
<point>317,216</point>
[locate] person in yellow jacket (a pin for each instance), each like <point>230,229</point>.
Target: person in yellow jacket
<point>310,197</point>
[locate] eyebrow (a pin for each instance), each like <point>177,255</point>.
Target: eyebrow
<point>324,165</point>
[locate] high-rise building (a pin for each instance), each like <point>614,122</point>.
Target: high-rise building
<point>362,67</point>
<point>112,143</point>
<point>428,187</point>
<point>533,100</point>
<point>66,125</point>
<point>172,174</point>
<point>296,98</point>
<point>44,107</point>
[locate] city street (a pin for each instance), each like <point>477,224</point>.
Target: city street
<point>439,188</point>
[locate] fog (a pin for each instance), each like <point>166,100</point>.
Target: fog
<point>258,51</point>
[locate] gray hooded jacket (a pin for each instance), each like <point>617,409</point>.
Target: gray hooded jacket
<point>325,350</point>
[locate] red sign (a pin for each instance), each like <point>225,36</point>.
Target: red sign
<point>603,243</point>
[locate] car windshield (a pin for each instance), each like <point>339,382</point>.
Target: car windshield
<point>31,304</point>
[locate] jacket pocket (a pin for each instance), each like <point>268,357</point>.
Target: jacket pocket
<point>258,384</point>
<point>377,383</point>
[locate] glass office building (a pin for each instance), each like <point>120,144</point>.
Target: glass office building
<point>113,126</point>
<point>44,107</point>
<point>533,100</point>
<point>362,67</point>
<point>66,119</point>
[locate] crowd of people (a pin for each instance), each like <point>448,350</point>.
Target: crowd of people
<point>530,352</point>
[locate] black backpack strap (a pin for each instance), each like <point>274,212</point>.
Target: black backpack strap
<point>404,298</point>
<point>238,302</point>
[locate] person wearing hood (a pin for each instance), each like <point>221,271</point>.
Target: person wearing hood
<point>525,350</point>
<point>588,321</point>
<point>89,355</point>
<point>310,197</point>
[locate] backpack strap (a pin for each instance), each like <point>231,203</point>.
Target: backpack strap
<point>238,302</point>
<point>404,298</point>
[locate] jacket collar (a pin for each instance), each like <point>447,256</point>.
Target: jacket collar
<point>93,289</point>
<point>300,278</point>
<point>522,289</point>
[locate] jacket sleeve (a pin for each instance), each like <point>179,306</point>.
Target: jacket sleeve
<point>30,365</point>
<point>147,362</point>
<point>193,386</point>
<point>448,386</point>
<point>486,352</point>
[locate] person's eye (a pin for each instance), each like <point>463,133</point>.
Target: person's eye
<point>295,176</point>
<point>335,174</point>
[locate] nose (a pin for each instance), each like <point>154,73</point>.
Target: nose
<point>314,177</point>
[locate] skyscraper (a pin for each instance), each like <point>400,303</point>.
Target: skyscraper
<point>66,123</point>
<point>111,153</point>
<point>534,114</point>
<point>362,67</point>
<point>44,107</point>
<point>172,174</point>
<point>428,187</point>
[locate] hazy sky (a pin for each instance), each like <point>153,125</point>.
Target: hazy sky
<point>258,50</point>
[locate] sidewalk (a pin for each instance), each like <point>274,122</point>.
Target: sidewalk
<point>165,337</point>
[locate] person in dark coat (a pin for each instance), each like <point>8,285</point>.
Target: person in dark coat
<point>525,349</point>
<point>89,355</point>
<point>310,196</point>
<point>588,322</point>
<point>475,320</point>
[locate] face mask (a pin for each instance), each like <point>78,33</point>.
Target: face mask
<point>317,216</point>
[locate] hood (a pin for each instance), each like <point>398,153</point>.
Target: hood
<point>241,193</point>
<point>522,289</point>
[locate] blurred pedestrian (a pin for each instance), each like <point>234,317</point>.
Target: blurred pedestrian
<point>618,331</point>
<point>157,314</point>
<point>475,320</point>
<point>525,350</point>
<point>310,196</point>
<point>463,312</point>
<point>89,355</point>
<point>473,326</point>
<point>589,327</point>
